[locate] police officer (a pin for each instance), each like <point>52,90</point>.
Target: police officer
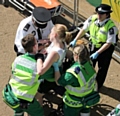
<point>39,24</point>
<point>79,82</point>
<point>103,37</point>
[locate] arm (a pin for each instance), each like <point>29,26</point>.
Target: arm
<point>57,72</point>
<point>100,50</point>
<point>104,47</point>
<point>39,65</point>
<point>82,31</point>
<point>66,79</point>
<point>111,39</point>
<point>51,58</point>
<point>39,58</point>
<point>19,35</point>
<point>85,28</point>
<point>80,34</point>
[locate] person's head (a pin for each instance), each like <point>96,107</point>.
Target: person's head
<point>60,32</point>
<point>30,44</point>
<point>103,11</point>
<point>41,16</point>
<point>81,54</point>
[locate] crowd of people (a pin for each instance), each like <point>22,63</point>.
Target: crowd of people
<point>38,68</point>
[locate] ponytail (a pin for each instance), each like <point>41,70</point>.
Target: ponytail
<point>63,33</point>
<point>68,37</point>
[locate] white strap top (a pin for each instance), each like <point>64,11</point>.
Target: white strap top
<point>60,51</point>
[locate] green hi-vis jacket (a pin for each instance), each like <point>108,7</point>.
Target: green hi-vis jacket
<point>98,35</point>
<point>86,79</point>
<point>24,81</point>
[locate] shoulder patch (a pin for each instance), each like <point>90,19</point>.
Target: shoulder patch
<point>111,31</point>
<point>27,26</point>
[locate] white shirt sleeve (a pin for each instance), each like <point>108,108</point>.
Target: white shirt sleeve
<point>111,37</point>
<point>19,35</point>
<point>87,24</point>
<point>21,32</point>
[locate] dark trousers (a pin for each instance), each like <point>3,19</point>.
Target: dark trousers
<point>46,86</point>
<point>103,61</point>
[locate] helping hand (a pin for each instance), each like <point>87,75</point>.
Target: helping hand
<point>72,43</point>
<point>56,67</point>
<point>94,55</point>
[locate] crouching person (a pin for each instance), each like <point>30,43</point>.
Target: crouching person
<point>21,89</point>
<point>80,84</point>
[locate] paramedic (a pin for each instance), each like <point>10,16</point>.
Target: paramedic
<point>22,87</point>
<point>79,82</point>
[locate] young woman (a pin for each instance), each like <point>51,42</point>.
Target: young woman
<point>56,52</point>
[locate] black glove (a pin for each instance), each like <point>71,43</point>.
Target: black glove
<point>39,56</point>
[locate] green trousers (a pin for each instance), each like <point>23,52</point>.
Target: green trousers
<point>70,111</point>
<point>33,109</point>
<point>20,106</point>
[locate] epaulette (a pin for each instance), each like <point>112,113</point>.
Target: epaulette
<point>27,26</point>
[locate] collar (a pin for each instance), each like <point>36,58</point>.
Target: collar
<point>30,54</point>
<point>97,22</point>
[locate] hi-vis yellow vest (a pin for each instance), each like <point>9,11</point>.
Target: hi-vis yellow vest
<point>98,35</point>
<point>86,78</point>
<point>24,80</point>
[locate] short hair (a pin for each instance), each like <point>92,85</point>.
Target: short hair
<point>83,53</point>
<point>28,42</point>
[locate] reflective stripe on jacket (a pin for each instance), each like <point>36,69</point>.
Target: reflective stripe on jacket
<point>86,78</point>
<point>24,80</point>
<point>98,35</point>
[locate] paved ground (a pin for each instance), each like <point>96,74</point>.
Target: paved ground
<point>9,20</point>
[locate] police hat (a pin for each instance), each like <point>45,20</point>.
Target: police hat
<point>41,15</point>
<point>103,8</point>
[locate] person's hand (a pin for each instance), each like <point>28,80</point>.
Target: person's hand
<point>56,67</point>
<point>72,43</point>
<point>39,56</point>
<point>94,55</point>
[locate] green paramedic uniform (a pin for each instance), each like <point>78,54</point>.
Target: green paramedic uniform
<point>77,87</point>
<point>23,86</point>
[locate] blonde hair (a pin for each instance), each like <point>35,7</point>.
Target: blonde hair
<point>63,33</point>
<point>82,52</point>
